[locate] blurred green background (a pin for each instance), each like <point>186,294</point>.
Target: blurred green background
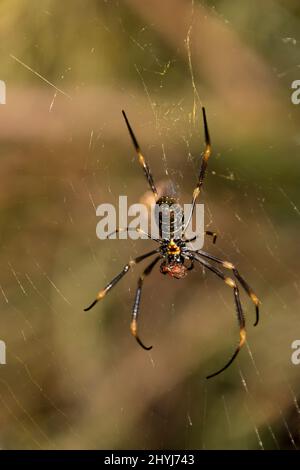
<point>78,380</point>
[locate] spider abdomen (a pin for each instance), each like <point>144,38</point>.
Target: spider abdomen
<point>169,217</point>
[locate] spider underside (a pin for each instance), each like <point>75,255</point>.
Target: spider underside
<point>177,259</point>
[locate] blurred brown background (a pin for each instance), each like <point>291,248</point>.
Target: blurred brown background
<point>79,380</point>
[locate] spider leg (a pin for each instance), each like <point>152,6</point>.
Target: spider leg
<point>214,235</point>
<point>190,267</point>
<point>136,305</point>
<point>245,285</point>
<point>190,239</point>
<point>240,315</point>
<point>132,229</point>
<point>141,158</point>
<point>205,156</point>
<point>102,293</point>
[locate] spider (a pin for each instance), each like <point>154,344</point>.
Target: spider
<point>176,258</point>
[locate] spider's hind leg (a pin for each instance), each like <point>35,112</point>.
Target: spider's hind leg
<point>136,305</point>
<point>240,315</point>
<point>244,284</point>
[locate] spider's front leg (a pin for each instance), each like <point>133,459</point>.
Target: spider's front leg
<point>240,315</point>
<point>136,305</point>
<point>205,157</point>
<point>102,293</point>
<point>141,158</point>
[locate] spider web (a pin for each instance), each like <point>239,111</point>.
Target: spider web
<point>78,380</point>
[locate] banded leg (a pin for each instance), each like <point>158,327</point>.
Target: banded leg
<point>244,284</point>
<point>205,157</point>
<point>214,235</point>
<point>141,158</point>
<point>131,229</point>
<point>102,293</point>
<point>136,305</point>
<point>240,315</point>
<point>190,239</point>
<point>191,266</point>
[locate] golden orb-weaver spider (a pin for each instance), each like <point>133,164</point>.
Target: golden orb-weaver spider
<point>175,254</point>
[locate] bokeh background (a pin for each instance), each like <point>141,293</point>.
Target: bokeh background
<point>78,380</point>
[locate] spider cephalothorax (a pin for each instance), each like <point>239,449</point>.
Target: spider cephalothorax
<point>173,259</point>
<point>174,253</point>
